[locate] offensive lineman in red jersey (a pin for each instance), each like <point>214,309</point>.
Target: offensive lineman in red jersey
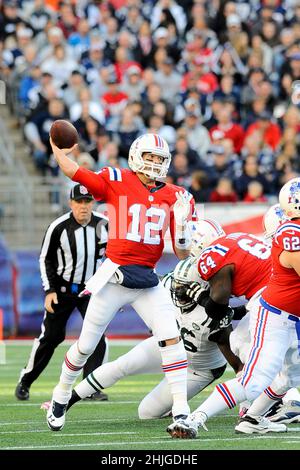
<point>140,209</point>
<point>274,327</point>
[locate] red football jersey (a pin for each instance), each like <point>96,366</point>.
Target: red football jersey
<point>138,216</point>
<point>283,290</point>
<point>250,257</point>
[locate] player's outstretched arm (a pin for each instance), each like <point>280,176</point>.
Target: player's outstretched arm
<point>66,164</point>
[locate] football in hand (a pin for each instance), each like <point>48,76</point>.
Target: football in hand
<point>63,134</point>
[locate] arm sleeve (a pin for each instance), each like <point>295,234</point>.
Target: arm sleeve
<point>48,259</point>
<point>96,183</point>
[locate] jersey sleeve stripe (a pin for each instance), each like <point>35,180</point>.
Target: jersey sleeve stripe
<point>118,173</point>
<point>114,174</point>
<point>287,227</point>
<point>111,174</point>
<point>221,248</point>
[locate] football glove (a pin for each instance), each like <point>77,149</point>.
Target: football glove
<point>182,207</point>
<point>216,326</point>
<point>197,292</point>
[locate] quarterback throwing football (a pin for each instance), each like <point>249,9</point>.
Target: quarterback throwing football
<point>140,208</point>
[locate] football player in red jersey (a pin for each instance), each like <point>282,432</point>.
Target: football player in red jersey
<point>274,327</point>
<point>140,208</point>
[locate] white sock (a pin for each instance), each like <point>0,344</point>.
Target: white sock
<point>71,368</point>
<point>174,365</point>
<point>264,402</point>
<point>225,396</point>
<point>88,386</point>
<point>103,377</point>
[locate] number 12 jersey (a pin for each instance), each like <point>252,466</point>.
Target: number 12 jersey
<point>138,216</point>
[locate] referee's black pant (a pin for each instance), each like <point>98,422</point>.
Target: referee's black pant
<point>53,332</point>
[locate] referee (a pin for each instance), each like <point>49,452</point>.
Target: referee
<point>72,247</point>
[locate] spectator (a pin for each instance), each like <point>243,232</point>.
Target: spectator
<point>182,146</point>
<point>175,10</point>
<point>168,79</point>
<point>122,63</point>
<point>180,171</point>
<point>37,133</point>
<point>95,109</point>
<point>230,129</point>
<point>128,129</point>
<point>68,21</point>
<point>250,173</point>
<point>114,100</point>
<point>255,193</point>
<point>269,130</point>
<point>60,66</point>
<point>144,44</point>
<point>10,19</point>
<point>85,160</point>
<point>223,192</point>
<point>109,156</point>
<point>199,186</point>
<point>133,84</point>
<point>80,40</point>
<point>197,135</point>
<point>204,80</point>
<point>219,163</point>
<point>71,93</point>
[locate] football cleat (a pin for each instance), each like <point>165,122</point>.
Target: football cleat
<point>258,425</point>
<point>273,410</point>
<point>187,427</point>
<point>287,413</point>
<point>22,391</point>
<point>56,416</point>
<point>97,396</point>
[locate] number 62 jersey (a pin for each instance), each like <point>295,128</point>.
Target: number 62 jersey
<point>249,256</point>
<point>138,216</point>
<point>283,290</point>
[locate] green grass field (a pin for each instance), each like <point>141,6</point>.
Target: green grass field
<point>111,425</point>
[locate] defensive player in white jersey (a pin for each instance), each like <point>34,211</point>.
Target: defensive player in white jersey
<point>274,328</point>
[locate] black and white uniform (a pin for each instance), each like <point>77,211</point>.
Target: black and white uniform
<point>70,255</point>
<point>205,364</point>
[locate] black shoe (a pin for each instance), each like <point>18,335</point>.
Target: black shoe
<point>273,410</point>
<point>22,391</point>
<point>97,396</point>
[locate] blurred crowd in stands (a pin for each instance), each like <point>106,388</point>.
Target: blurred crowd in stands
<point>212,77</point>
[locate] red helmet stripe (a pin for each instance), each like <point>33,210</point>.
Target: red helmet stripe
<point>212,223</point>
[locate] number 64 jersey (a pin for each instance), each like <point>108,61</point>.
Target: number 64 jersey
<point>249,256</point>
<point>138,216</point>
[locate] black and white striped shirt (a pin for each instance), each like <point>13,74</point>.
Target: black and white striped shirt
<point>70,251</point>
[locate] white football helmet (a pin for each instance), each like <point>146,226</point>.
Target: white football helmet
<point>204,232</point>
<point>272,219</point>
<point>289,198</point>
<point>155,144</point>
<point>184,273</point>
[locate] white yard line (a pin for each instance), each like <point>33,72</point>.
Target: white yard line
<point>80,404</point>
<point>161,441</point>
<point>69,434</point>
<point>70,421</point>
<point>69,342</point>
